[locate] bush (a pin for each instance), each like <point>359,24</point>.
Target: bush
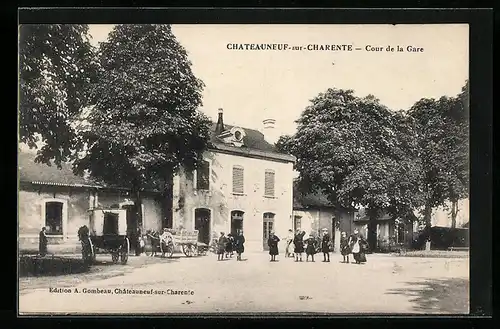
<point>442,238</point>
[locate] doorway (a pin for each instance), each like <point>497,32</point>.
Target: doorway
<point>132,226</point>
<point>267,228</point>
<point>236,221</point>
<point>202,224</point>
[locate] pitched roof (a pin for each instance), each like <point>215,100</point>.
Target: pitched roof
<point>33,172</point>
<point>254,139</point>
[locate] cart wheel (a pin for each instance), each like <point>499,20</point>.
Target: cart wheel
<point>194,250</point>
<point>169,251</point>
<point>115,255</point>
<point>187,250</point>
<point>124,252</point>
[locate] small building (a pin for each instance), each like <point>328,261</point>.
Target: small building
<point>312,212</point>
<point>243,184</point>
<point>59,200</point>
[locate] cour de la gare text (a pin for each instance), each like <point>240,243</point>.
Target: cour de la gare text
<point>286,46</point>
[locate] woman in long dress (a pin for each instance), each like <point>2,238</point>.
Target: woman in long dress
<point>239,242</point>
<point>42,242</point>
<point>272,242</point>
<point>298,242</point>
<point>358,247</point>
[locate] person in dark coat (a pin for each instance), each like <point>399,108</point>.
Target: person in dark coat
<point>42,242</point>
<point>229,245</point>
<point>325,245</point>
<point>311,247</point>
<point>298,242</point>
<point>221,246</point>
<point>345,250</point>
<point>239,244</point>
<point>272,242</point>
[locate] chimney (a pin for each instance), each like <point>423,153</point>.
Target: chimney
<point>219,127</point>
<point>269,131</point>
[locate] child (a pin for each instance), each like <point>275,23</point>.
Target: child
<point>344,247</point>
<point>311,247</point>
<point>221,246</point>
<point>229,245</point>
<point>298,242</point>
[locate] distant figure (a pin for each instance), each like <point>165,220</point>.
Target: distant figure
<point>325,245</point>
<point>221,246</point>
<point>239,244</point>
<point>344,247</point>
<point>42,243</point>
<point>272,242</point>
<point>311,247</point>
<point>298,242</point>
<point>229,245</point>
<point>289,240</point>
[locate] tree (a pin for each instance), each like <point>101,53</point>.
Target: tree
<point>283,145</point>
<point>56,64</point>
<point>444,140</point>
<point>145,123</point>
<point>358,152</point>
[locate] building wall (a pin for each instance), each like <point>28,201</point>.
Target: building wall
<point>441,216</point>
<point>221,201</point>
<point>314,220</point>
<point>76,202</point>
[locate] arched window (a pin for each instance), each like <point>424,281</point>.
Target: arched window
<point>202,219</point>
<point>236,221</point>
<point>269,182</point>
<point>238,186</point>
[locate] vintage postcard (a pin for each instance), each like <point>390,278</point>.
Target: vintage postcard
<point>243,169</point>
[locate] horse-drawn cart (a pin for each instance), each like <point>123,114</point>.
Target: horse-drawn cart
<point>106,233</point>
<point>174,241</point>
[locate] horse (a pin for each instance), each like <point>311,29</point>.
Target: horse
<point>159,243</point>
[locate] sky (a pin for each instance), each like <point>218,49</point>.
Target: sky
<point>252,86</point>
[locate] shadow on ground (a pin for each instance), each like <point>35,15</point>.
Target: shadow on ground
<point>450,295</point>
<point>50,266</point>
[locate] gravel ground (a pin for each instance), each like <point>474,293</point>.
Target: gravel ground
<point>385,284</point>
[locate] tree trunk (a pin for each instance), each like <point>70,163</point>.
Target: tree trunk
<point>372,230</point>
<point>428,215</point>
<point>454,212</point>
<point>167,199</point>
<point>134,235</point>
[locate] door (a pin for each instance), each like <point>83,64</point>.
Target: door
<point>202,224</point>
<point>132,225</point>
<point>236,221</point>
<point>267,228</point>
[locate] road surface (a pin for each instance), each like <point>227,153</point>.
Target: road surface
<point>385,284</point>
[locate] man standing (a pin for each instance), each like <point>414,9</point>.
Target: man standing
<point>325,245</point>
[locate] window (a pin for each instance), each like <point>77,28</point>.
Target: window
<point>54,217</point>
<point>238,179</point>
<point>267,228</point>
<point>203,176</point>
<point>269,183</point>
<point>297,223</point>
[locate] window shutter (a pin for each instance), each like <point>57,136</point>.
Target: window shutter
<point>269,183</point>
<point>238,179</point>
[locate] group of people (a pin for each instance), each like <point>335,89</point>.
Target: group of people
<point>355,244</point>
<point>227,245</point>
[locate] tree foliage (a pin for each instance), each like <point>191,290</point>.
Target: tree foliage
<point>145,102</point>
<point>56,64</point>
<point>444,140</point>
<point>145,122</point>
<point>358,152</point>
